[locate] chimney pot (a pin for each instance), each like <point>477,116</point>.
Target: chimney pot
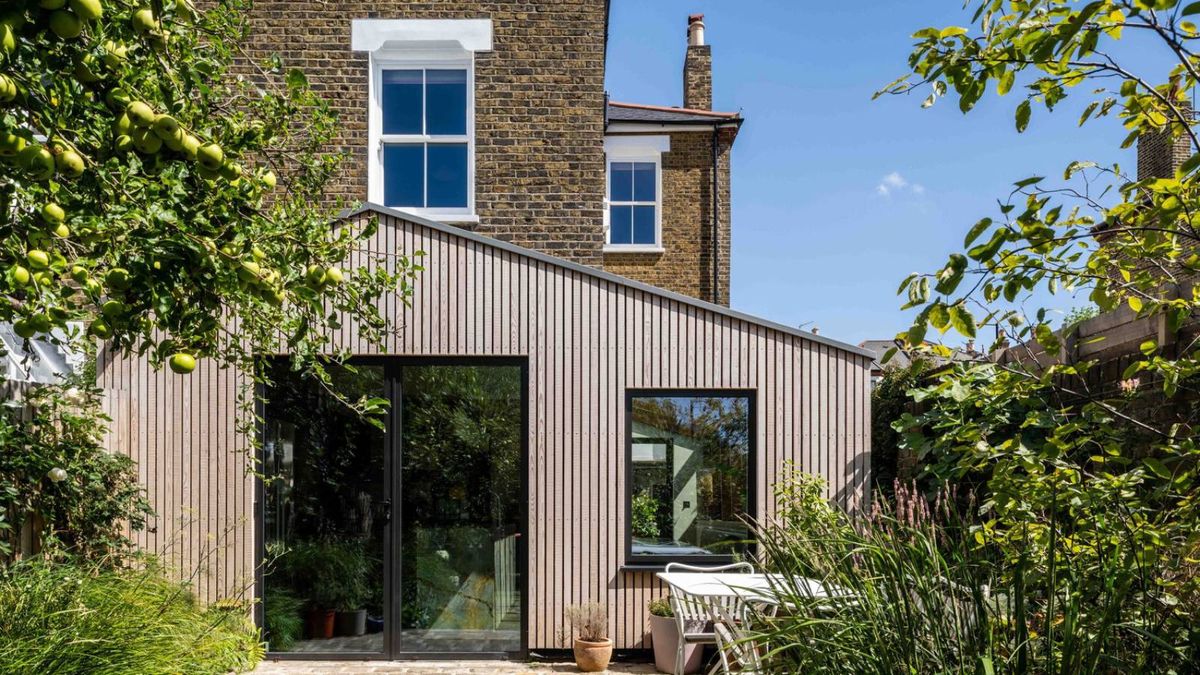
<point>695,30</point>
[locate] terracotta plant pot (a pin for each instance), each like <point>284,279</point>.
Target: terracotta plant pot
<point>664,635</point>
<point>351,623</point>
<point>319,623</point>
<point>593,657</point>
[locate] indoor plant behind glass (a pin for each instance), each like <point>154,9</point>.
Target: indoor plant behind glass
<point>664,636</point>
<point>589,625</point>
<point>352,588</point>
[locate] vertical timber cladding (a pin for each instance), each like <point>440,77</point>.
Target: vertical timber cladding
<point>588,336</point>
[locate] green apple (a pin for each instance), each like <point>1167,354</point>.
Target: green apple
<point>114,53</point>
<point>20,275</point>
<point>100,329</point>
<point>258,253</point>
<point>53,214</point>
<point>24,328</point>
<point>38,162</point>
<point>123,143</point>
<point>117,278</point>
<point>85,70</point>
<point>315,275</point>
<point>8,88</point>
<point>333,275</point>
<point>65,24</point>
<point>268,180</point>
<point>231,171</point>
<point>146,141</point>
<point>11,144</point>
<point>8,38</point>
<point>182,363</point>
<point>88,10</point>
<point>143,21</point>
<point>121,125</point>
<point>79,273</point>
<point>70,163</point>
<point>211,156</point>
<point>61,231</point>
<point>140,114</point>
<point>190,145</point>
<point>249,271</point>
<point>37,259</point>
<point>112,308</point>
<point>165,126</point>
<point>43,278</point>
<point>94,288</point>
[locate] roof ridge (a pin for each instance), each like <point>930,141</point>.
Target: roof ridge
<point>663,108</point>
<point>602,274</point>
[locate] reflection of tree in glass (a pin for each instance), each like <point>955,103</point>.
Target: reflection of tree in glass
<point>719,429</point>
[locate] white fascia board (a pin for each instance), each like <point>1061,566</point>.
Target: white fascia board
<point>636,146</point>
<point>371,35</point>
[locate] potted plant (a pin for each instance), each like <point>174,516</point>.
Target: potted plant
<point>664,636</point>
<point>352,589</point>
<point>282,620</point>
<point>589,626</point>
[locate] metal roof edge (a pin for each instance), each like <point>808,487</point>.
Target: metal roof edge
<point>601,274</point>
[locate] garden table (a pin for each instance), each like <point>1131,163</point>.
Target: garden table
<point>749,588</point>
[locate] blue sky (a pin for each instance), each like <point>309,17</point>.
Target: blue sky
<point>815,240</point>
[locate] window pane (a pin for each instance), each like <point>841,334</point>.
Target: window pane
<point>690,474</point>
<point>445,102</point>
<point>643,182</point>
<point>643,225</point>
<point>401,102</point>
<point>620,225</point>
<point>621,175</point>
<point>447,175</point>
<point>404,174</point>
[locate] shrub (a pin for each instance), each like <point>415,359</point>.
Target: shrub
<point>588,622</point>
<point>643,515</point>
<point>661,607</point>
<point>57,434</point>
<point>282,619</point>
<point>925,591</point>
<point>77,617</point>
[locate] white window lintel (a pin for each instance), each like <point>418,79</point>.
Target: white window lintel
<point>470,35</point>
<point>636,146</point>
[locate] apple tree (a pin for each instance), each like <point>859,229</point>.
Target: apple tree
<point>1092,494</point>
<point>161,191</point>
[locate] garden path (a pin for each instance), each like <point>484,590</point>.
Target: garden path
<point>434,668</point>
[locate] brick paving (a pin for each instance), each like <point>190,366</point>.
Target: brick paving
<point>434,668</point>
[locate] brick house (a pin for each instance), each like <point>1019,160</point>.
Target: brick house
<point>573,402</point>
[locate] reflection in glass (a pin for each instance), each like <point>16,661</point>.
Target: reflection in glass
<point>690,478</point>
<point>461,431</point>
<point>323,488</point>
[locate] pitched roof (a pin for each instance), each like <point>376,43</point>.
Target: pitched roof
<point>637,112</point>
<point>601,274</point>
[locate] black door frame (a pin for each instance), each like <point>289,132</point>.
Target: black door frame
<point>393,491</point>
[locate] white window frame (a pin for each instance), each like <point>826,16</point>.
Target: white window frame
<point>645,149</point>
<point>420,60</point>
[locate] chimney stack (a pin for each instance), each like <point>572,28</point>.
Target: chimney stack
<point>697,67</point>
<point>1159,155</point>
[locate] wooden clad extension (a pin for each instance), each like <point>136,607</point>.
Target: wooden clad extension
<point>588,336</point>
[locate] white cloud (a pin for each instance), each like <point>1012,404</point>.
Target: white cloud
<point>894,183</point>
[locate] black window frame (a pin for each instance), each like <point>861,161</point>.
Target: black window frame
<point>644,561</point>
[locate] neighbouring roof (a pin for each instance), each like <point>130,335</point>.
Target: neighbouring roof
<point>43,363</point>
<point>601,274</point>
<point>655,114</point>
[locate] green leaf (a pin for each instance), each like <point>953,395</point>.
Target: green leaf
<point>952,31</point>
<point>1005,84</point>
<point>1158,468</point>
<point>1189,165</point>
<point>1023,112</point>
<point>1046,337</point>
<point>916,334</point>
<point>1087,112</point>
<point>1135,303</point>
<point>1191,9</point>
<point>1032,180</point>
<point>976,230</point>
<point>939,318</point>
<point>962,320</point>
<point>887,356</point>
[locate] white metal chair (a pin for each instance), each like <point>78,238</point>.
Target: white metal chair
<point>738,654</point>
<point>695,616</point>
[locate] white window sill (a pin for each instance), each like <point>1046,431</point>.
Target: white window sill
<point>448,218</point>
<point>633,248</point>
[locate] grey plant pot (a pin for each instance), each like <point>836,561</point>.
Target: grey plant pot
<point>664,635</point>
<point>352,623</point>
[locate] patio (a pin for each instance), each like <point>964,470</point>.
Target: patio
<point>433,667</point>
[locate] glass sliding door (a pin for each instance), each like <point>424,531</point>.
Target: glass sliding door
<point>325,511</point>
<point>461,508</point>
<point>442,574</point>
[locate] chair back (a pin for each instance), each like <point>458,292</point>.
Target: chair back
<point>695,615</point>
<point>738,653</point>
